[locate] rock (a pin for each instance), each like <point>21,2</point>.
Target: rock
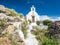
<point>54,28</point>
<point>2,29</point>
<point>15,37</point>
<point>10,29</point>
<point>2,16</point>
<point>17,19</point>
<point>3,10</point>
<point>5,41</point>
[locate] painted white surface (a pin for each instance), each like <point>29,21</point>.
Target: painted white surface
<point>33,12</point>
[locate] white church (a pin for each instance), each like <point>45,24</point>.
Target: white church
<point>33,15</point>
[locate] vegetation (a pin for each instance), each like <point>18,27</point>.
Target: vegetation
<point>2,23</point>
<point>29,21</point>
<point>24,28</point>
<point>38,22</point>
<point>12,11</point>
<point>43,39</point>
<point>15,28</point>
<point>48,41</point>
<point>12,40</point>
<point>21,15</point>
<point>47,22</point>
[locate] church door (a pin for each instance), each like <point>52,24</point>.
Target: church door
<point>33,18</point>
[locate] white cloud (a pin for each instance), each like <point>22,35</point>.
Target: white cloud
<point>44,17</point>
<point>58,18</point>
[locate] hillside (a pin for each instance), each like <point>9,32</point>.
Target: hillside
<point>15,29</point>
<point>7,18</point>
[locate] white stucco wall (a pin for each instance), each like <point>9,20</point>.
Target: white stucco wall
<point>33,12</point>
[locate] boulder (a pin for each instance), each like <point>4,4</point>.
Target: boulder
<point>16,38</point>
<point>3,10</point>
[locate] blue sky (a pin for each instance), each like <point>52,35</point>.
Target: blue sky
<point>43,7</point>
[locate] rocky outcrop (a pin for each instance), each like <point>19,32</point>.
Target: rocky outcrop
<point>7,32</point>
<point>3,10</point>
<point>16,39</point>
<point>54,30</point>
<point>10,29</point>
<point>5,41</point>
<point>3,16</point>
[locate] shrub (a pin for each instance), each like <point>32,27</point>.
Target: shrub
<point>29,21</point>
<point>24,28</point>
<point>15,28</point>
<point>12,11</point>
<point>48,41</point>
<point>47,22</point>
<point>2,23</point>
<point>43,40</point>
<point>21,15</point>
<point>38,22</point>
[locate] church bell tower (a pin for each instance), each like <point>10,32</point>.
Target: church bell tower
<point>33,16</point>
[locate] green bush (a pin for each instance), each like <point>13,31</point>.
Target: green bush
<point>43,40</point>
<point>47,22</point>
<point>2,23</point>
<point>24,28</point>
<point>21,15</point>
<point>38,22</point>
<point>48,41</point>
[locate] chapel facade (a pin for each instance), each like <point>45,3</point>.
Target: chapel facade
<point>33,15</point>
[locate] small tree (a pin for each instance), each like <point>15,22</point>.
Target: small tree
<point>47,22</point>
<point>38,22</point>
